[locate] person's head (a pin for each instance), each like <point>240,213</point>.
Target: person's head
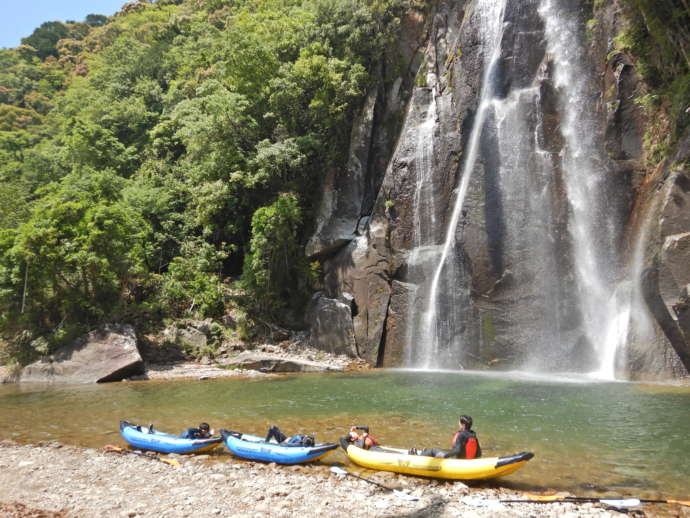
<point>204,428</point>
<point>465,422</point>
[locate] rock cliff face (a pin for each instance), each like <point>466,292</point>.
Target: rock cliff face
<point>512,295</point>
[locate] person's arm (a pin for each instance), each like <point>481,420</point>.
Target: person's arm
<point>457,447</point>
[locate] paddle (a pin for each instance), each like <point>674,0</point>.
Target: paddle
<point>565,497</point>
<point>396,492</point>
<point>116,449</point>
<point>627,502</point>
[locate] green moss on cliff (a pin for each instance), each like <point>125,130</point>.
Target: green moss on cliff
<point>658,36</point>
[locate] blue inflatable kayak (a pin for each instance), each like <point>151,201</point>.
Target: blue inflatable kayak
<point>153,440</point>
<point>251,447</point>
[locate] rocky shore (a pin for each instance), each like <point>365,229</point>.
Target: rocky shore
<point>263,361</point>
<point>85,483</point>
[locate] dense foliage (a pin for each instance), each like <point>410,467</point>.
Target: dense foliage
<point>149,158</point>
<point>658,35</point>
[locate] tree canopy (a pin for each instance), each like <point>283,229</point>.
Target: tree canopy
<point>150,159</point>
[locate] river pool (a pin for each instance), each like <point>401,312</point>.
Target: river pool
<point>588,437</point>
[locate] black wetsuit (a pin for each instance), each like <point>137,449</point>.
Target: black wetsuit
<point>458,450</point>
<point>194,433</point>
<point>296,440</point>
<point>275,433</point>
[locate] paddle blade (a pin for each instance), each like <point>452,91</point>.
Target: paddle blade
<point>112,447</point>
<point>628,502</point>
<point>339,471</point>
<point>404,496</point>
<point>686,503</point>
<point>172,462</point>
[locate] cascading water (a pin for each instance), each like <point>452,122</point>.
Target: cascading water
<point>424,207</point>
<point>428,331</point>
<point>535,141</point>
<point>592,225</point>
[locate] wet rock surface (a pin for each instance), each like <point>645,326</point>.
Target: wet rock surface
<point>87,483</point>
<point>266,362</point>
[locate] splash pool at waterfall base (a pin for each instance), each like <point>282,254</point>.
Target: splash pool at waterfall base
<point>588,437</point>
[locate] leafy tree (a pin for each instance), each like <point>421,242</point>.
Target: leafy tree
<point>192,284</point>
<point>96,20</point>
<point>274,265</point>
<point>77,256</point>
<point>44,39</point>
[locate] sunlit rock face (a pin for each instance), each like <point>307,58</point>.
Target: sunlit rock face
<point>505,212</point>
<point>107,354</point>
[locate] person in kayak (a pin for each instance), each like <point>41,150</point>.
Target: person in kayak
<point>295,440</point>
<point>204,431</point>
<point>363,440</point>
<point>465,444</point>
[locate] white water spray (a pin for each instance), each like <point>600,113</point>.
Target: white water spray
<point>605,312</point>
<point>424,205</point>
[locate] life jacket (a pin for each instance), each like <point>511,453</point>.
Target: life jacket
<point>366,442</point>
<point>471,445</point>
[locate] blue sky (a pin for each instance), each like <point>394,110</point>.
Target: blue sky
<point>18,18</point>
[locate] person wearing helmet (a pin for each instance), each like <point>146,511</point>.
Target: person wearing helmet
<point>204,431</point>
<point>465,444</point>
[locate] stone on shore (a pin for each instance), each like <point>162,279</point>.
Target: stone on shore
<point>107,354</point>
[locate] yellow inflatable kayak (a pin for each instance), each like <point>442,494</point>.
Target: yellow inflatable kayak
<point>391,459</point>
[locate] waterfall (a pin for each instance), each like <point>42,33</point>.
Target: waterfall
<point>593,226</point>
<point>551,236</point>
<point>427,328</point>
<point>424,210</point>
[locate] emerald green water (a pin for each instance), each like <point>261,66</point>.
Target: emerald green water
<point>616,437</point>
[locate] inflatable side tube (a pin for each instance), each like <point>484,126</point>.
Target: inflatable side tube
<point>344,443</point>
<point>153,440</point>
<point>512,459</point>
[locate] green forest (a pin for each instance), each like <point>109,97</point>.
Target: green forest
<point>164,162</point>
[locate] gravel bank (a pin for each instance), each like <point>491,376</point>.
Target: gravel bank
<point>88,483</point>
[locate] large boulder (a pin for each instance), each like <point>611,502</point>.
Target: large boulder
<point>187,338</point>
<point>361,272</point>
<point>662,210</point>
<point>331,327</point>
<point>107,354</point>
